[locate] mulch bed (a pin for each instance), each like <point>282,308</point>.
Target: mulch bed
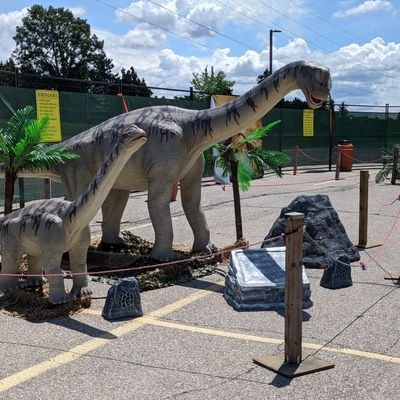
<point>33,304</point>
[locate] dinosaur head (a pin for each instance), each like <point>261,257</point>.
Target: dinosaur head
<point>315,82</point>
<point>132,138</point>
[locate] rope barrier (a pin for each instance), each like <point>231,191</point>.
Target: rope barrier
<point>373,257</point>
<point>145,267</point>
<point>361,161</point>
<point>313,159</point>
<point>224,187</point>
<point>381,202</point>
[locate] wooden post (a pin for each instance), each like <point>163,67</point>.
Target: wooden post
<point>338,160</point>
<point>47,188</point>
<point>295,159</point>
<point>396,151</point>
<point>363,213</point>
<point>290,363</point>
<point>293,287</point>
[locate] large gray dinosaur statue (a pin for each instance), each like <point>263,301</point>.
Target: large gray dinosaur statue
<point>176,139</point>
<point>46,229</point>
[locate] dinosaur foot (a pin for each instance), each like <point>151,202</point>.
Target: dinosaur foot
<point>8,283</point>
<point>81,291</point>
<point>32,282</point>
<point>61,298</point>
<point>165,256</point>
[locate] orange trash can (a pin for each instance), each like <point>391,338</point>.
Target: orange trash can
<point>346,161</point>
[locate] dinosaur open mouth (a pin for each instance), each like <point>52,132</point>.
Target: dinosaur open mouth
<point>315,101</point>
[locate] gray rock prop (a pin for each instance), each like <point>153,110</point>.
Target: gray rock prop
<point>322,224</point>
<point>337,274</point>
<point>255,280</point>
<point>123,300</point>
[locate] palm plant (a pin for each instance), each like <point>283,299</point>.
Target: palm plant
<point>249,158</point>
<point>387,169</point>
<point>21,148</point>
<point>243,160</point>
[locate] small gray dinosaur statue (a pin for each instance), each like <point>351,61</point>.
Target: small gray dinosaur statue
<point>176,140</point>
<point>46,229</point>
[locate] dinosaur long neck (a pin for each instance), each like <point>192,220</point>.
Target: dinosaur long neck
<point>83,209</point>
<point>215,125</point>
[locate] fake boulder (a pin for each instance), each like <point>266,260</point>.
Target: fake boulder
<point>325,238</point>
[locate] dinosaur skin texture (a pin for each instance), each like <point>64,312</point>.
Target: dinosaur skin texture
<point>44,230</point>
<point>174,153</point>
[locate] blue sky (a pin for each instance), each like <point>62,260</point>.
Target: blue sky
<point>167,40</point>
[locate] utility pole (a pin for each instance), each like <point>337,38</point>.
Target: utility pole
<point>271,32</point>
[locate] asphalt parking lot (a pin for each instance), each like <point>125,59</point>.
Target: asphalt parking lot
<point>190,344</point>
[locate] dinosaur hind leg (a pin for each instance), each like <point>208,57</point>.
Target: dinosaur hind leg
<point>35,267</point>
<point>9,265</point>
<point>56,280</point>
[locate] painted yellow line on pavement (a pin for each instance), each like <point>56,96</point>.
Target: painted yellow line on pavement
<point>240,336</point>
<point>85,348</point>
<point>152,319</point>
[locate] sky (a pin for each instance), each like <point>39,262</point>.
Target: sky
<point>166,41</point>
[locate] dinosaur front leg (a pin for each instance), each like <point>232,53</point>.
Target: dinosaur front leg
<point>112,210</point>
<point>159,197</point>
<point>77,259</point>
<point>191,199</point>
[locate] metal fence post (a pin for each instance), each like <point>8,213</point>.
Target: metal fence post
<point>396,150</point>
<point>338,161</point>
<point>47,188</point>
<point>295,159</point>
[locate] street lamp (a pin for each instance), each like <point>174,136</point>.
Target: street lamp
<point>271,32</point>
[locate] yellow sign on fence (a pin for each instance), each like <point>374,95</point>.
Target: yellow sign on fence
<point>48,103</point>
<point>308,122</point>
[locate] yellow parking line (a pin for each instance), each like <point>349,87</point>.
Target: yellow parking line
<point>84,348</point>
<point>240,336</point>
<point>152,319</point>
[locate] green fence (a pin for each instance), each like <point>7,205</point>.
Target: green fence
<point>369,132</point>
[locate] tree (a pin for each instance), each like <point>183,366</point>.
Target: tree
<point>132,85</point>
<point>264,75</point>
<point>7,73</point>
<point>211,83</point>
<point>54,42</point>
<point>21,148</point>
<point>242,160</point>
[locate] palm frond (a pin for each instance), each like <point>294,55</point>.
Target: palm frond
<point>383,174</point>
<point>18,122</point>
<point>44,156</point>
<point>259,133</point>
<point>4,153</point>
<point>244,176</point>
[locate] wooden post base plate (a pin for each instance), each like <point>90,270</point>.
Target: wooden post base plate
<point>276,363</point>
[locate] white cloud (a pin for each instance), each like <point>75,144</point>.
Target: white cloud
<point>143,11</point>
<point>369,6</point>
<point>78,11</point>
<point>188,17</point>
<point>8,23</point>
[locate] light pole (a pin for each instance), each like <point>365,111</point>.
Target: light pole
<point>271,32</point>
